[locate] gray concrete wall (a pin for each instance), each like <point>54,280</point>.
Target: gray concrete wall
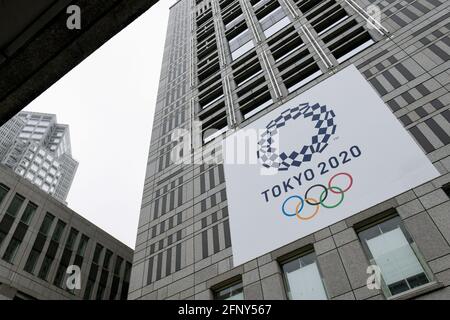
<point>183,248</point>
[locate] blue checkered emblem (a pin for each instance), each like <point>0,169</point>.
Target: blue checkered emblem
<point>324,123</point>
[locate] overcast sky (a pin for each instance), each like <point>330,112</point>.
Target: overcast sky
<point>108,101</point>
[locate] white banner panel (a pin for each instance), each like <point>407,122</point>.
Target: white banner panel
<point>321,157</point>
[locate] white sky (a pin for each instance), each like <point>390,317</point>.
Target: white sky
<point>108,101</point>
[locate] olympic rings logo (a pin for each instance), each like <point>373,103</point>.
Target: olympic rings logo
<point>326,190</point>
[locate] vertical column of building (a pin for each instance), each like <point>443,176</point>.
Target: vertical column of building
<point>164,246</point>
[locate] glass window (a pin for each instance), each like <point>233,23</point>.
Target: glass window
<point>107,259</point>
<point>82,245</point>
<point>389,246</point>
<point>58,231</point>
<point>25,135</point>
<point>242,50</point>
<point>45,268</point>
<point>100,292</point>
<point>32,260</point>
<point>28,213</point>
<point>97,252</point>
<point>15,205</point>
<point>2,236</point>
<point>59,276</point>
<point>11,250</point>
<point>446,189</point>
<point>276,27</point>
<point>303,280</point>
<point>46,224</point>
<point>3,192</point>
<point>88,290</point>
<point>38,181</point>
<point>233,292</point>
<point>71,239</point>
<point>118,265</point>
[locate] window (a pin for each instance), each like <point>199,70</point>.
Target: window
<point>97,252</point>
<point>118,265</point>
<point>59,276</point>
<point>232,292</point>
<point>389,246</point>
<point>82,245</point>
<point>15,205</point>
<point>32,260</point>
<point>46,224</point>
<point>107,259</point>
<point>45,268</point>
<point>446,189</point>
<point>71,239</point>
<point>28,213</point>
<point>11,250</point>
<point>100,292</point>
<point>302,278</point>
<point>242,50</point>
<point>3,192</point>
<point>277,27</point>
<point>58,231</point>
<point>126,281</point>
<point>2,236</point>
<point>88,290</point>
<point>272,18</point>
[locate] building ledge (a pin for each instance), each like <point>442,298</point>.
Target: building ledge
<point>38,49</point>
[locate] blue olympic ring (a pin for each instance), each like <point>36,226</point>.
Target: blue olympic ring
<point>300,209</point>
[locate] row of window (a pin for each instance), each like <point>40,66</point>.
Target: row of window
<point>343,36</point>
<point>386,244</point>
<point>54,243</point>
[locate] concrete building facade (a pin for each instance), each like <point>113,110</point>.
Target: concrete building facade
<point>40,238</point>
<point>38,148</point>
<point>227,63</point>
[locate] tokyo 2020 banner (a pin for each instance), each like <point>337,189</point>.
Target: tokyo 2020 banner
<point>325,155</point>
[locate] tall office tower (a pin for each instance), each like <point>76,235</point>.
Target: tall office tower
<point>36,147</point>
<point>361,211</point>
<point>8,134</point>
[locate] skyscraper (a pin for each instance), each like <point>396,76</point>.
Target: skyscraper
<point>232,64</point>
<point>36,147</point>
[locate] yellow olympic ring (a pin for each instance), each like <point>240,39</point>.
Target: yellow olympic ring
<point>297,211</point>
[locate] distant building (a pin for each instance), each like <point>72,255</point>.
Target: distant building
<point>38,148</point>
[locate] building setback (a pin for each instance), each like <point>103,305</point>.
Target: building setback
<point>38,148</point>
<point>227,63</point>
<point>40,238</point>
